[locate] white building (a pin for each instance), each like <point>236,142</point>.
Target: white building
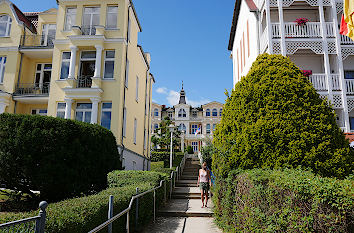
<point>197,123</point>
<point>268,26</point>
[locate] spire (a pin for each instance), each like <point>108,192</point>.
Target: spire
<point>182,96</point>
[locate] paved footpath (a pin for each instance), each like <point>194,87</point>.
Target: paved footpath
<point>183,214</point>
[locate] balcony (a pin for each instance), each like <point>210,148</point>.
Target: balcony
<point>37,41</point>
<point>319,82</point>
<point>84,82</point>
<point>31,89</point>
<point>349,84</point>
<point>345,40</point>
<point>310,30</point>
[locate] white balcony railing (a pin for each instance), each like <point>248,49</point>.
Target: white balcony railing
<point>319,82</point>
<point>310,30</point>
<point>345,40</point>
<point>335,82</point>
<point>349,83</point>
<point>264,39</point>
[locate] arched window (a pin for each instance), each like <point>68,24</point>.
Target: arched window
<point>182,113</point>
<point>220,112</point>
<point>207,113</point>
<point>208,128</point>
<point>156,126</point>
<point>182,127</point>
<point>5,25</point>
<point>215,112</point>
<point>156,112</point>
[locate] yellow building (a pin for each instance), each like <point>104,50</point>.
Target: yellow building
<point>80,61</point>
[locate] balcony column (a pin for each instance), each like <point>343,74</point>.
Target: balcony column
<point>72,62</point>
<point>94,115</point>
<point>269,23</point>
<point>98,63</point>
<point>282,28</point>
<point>325,51</point>
<point>68,106</point>
<point>340,68</point>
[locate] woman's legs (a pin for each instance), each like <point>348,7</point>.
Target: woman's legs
<point>206,193</point>
<point>202,195</point>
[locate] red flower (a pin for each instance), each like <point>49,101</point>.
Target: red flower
<point>301,21</point>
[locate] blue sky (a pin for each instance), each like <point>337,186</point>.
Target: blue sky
<point>187,40</point>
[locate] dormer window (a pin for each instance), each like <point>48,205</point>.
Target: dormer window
<point>5,25</point>
<point>207,113</point>
<point>182,113</point>
<point>215,112</point>
<point>170,115</point>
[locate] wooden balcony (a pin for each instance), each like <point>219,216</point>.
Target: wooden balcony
<point>319,82</point>
<point>349,84</point>
<point>310,30</point>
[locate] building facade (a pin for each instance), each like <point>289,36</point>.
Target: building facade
<point>276,27</point>
<point>80,61</point>
<point>196,124</point>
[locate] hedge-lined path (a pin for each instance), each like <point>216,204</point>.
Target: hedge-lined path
<point>183,213</point>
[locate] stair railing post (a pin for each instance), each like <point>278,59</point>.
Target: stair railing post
<point>110,212</point>
<point>127,226</point>
<point>137,210</point>
<point>40,223</point>
<point>165,194</point>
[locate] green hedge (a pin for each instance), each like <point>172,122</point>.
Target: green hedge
<point>85,213</point>
<point>283,201</point>
<point>165,157</point>
<point>60,158</point>
<point>123,178</point>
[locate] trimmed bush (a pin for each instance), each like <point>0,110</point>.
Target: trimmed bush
<point>85,213</point>
<point>60,158</point>
<point>283,201</point>
<point>124,178</point>
<point>165,157</point>
<point>275,118</point>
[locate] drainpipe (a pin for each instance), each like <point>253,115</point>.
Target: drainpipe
<point>124,94</point>
<point>21,61</point>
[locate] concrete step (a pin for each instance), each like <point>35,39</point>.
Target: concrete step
<point>186,185</point>
<point>187,177</point>
<point>186,208</point>
<point>186,196</point>
<point>187,181</point>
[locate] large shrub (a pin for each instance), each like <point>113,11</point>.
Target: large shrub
<point>85,213</point>
<point>275,118</point>
<point>283,201</point>
<point>60,158</point>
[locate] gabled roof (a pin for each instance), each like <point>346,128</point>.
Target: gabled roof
<point>22,17</point>
<point>252,7</point>
<point>213,102</point>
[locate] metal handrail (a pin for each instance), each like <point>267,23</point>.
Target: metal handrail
<point>32,88</point>
<point>42,41</point>
<point>108,223</point>
<point>84,81</point>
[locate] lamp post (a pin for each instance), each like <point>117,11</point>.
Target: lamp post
<point>171,128</point>
<point>182,140</point>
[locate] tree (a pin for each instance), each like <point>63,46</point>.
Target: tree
<point>275,118</point>
<point>162,137</point>
<point>207,151</point>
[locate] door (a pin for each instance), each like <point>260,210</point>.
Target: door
<point>43,76</point>
<point>91,18</point>
<point>48,34</point>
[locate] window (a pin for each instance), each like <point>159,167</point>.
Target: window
<point>194,114</point>
<point>65,64</point>
<point>349,74</point>
<point>106,115</point>
<point>207,113</point>
<point>112,16</point>
<point>83,112</point>
<point>220,112</point>
<point>2,68</point>
<point>156,112</point>
<point>182,113</point>
<point>208,128</point>
<point>194,129</point>
<point>43,75</point>
<point>109,64</point>
<point>134,165</point>
<point>41,112</point>
<point>126,73</point>
<point>135,128</point>
<point>351,119</point>
<point>137,89</point>
<point>170,115</point>
<point>61,110</point>
<point>214,127</point>
<point>5,25</point>
<point>70,18</point>
<point>182,127</point>
<point>91,19</point>
<point>124,122</point>
<point>48,34</point>
<point>215,112</point>
<point>87,68</point>
<point>195,146</point>
<point>156,126</point>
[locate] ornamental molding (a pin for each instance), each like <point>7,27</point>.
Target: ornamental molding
<point>287,3</point>
<point>350,103</point>
<point>337,101</point>
<point>347,52</point>
<point>293,46</point>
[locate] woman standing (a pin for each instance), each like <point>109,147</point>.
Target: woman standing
<point>204,183</point>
